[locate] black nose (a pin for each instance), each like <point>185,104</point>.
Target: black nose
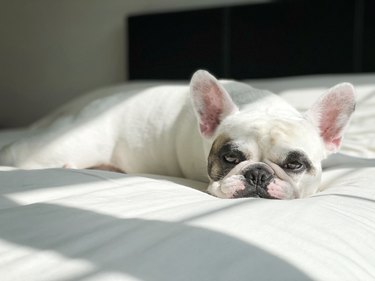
<point>258,176</point>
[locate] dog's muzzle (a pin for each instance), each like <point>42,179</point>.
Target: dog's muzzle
<point>258,177</point>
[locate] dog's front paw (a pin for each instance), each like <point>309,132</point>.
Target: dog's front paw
<point>69,166</point>
<point>228,187</point>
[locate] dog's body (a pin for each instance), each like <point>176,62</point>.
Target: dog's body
<point>246,142</point>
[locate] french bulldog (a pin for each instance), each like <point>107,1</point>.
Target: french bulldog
<point>242,141</point>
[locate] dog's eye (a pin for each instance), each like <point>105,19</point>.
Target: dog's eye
<point>294,166</point>
<point>231,158</point>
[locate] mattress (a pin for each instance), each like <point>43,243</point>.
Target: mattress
<point>62,224</point>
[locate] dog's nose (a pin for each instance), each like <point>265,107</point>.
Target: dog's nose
<point>259,176</point>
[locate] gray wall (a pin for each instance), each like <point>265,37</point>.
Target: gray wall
<point>53,50</point>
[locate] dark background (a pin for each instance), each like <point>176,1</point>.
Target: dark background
<point>280,38</point>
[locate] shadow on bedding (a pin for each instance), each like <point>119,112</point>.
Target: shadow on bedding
<point>26,180</point>
<point>144,249</point>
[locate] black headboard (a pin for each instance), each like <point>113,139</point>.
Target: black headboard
<point>274,39</point>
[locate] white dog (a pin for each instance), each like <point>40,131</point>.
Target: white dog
<point>245,142</point>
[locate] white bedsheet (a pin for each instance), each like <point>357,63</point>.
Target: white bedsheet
<point>62,224</point>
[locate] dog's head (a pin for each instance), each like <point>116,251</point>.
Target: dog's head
<point>259,146</point>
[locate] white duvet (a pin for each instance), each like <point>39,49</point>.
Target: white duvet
<point>62,224</point>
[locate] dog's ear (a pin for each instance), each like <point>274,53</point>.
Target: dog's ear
<point>331,114</point>
<point>211,102</point>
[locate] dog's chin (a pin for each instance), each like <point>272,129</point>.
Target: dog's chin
<point>255,192</point>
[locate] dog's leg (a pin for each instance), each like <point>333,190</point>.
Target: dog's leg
<point>107,167</point>
<point>76,148</point>
<point>69,166</point>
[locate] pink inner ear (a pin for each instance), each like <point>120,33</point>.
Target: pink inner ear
<point>336,143</point>
<point>333,112</point>
<point>213,109</point>
<point>329,126</point>
<point>211,102</point>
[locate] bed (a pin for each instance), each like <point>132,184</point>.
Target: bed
<point>66,224</point>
